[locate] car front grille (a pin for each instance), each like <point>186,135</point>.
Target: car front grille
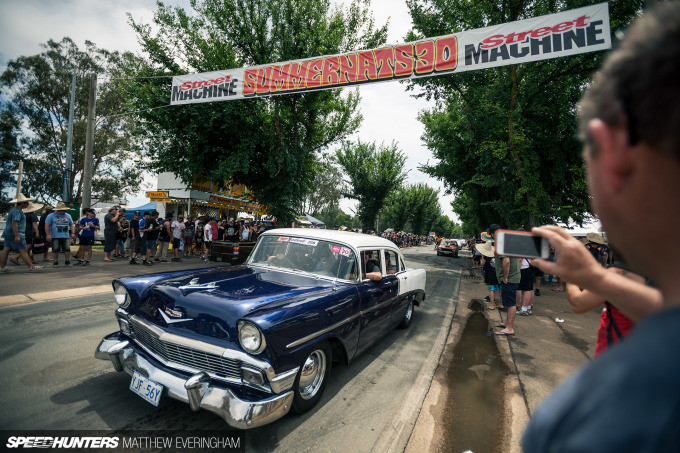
<point>186,356</point>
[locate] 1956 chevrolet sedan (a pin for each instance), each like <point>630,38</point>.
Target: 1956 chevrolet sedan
<point>254,341</point>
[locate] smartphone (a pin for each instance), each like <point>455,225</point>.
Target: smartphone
<point>521,244</point>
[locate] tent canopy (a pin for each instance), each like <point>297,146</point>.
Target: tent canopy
<point>313,220</point>
<point>130,212</point>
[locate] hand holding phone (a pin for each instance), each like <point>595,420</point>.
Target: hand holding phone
<point>521,244</point>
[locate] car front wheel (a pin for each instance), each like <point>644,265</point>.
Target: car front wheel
<point>406,321</point>
<point>311,380</point>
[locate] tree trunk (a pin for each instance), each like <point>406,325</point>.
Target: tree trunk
<point>514,153</point>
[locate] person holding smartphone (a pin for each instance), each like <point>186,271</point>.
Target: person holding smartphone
<point>628,399</point>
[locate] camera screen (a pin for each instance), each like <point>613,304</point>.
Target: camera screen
<point>522,245</point>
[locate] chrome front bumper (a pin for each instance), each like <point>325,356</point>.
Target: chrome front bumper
<point>198,390</point>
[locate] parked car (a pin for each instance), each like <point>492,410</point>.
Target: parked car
<point>230,252</point>
<point>255,341</point>
<point>448,248</point>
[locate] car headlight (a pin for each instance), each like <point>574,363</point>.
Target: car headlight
<point>121,295</point>
<point>251,338</point>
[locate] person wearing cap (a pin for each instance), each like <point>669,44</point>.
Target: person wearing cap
<point>145,244</point>
<point>80,254</point>
<point>15,234</point>
<point>110,232</point>
<point>60,228</point>
<point>88,225</point>
<point>245,232</point>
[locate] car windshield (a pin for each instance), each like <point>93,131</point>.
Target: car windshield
<point>449,243</point>
<point>315,256</point>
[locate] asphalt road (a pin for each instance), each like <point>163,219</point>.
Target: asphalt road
<point>51,380</point>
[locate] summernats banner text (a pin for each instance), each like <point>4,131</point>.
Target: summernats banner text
<point>557,35</point>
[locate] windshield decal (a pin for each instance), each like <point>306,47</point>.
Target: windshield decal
<point>302,241</point>
<point>283,239</point>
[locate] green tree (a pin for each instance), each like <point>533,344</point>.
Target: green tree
<point>416,206</point>
<point>373,174</point>
<point>332,215</point>
<point>36,90</point>
<point>504,138</point>
<point>325,190</point>
<point>269,144</point>
<point>443,226</point>
<point>10,155</point>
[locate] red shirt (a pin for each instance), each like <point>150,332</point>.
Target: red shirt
<point>624,323</point>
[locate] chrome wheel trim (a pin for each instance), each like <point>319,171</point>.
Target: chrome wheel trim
<point>312,374</point>
<point>409,312</point>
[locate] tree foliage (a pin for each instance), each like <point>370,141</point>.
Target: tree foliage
<point>332,215</point>
<point>326,188</point>
<point>373,174</point>
<point>269,144</point>
<point>10,154</point>
<point>416,206</point>
<point>505,138</point>
<point>445,227</point>
<point>36,95</point>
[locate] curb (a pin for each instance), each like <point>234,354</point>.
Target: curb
<point>401,428</point>
<point>23,299</point>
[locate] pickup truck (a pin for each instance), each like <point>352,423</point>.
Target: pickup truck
<point>230,252</point>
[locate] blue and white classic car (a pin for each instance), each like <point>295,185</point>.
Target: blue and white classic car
<point>254,341</point>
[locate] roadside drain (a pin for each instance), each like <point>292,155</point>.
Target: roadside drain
<point>473,420</point>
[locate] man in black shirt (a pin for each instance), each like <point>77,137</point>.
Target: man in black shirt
<point>152,238</point>
<point>137,243</point>
<point>41,230</point>
<point>164,238</point>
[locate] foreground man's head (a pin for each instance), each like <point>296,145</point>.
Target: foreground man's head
<point>630,126</point>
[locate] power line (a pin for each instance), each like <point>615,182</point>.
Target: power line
<point>32,172</point>
<point>135,78</point>
<point>134,111</point>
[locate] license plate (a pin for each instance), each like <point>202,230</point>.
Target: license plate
<point>146,388</point>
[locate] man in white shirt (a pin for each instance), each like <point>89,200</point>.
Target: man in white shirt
<point>177,227</point>
<point>208,238</point>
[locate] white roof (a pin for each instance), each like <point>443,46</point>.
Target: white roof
<point>356,240</point>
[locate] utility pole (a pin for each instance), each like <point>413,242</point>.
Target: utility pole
<point>21,170</point>
<point>66,187</point>
<point>89,143</point>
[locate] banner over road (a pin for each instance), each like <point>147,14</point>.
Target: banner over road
<point>556,35</point>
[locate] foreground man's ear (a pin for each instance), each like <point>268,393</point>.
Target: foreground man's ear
<point>613,154</point>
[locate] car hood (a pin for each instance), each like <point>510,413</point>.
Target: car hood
<point>210,303</point>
